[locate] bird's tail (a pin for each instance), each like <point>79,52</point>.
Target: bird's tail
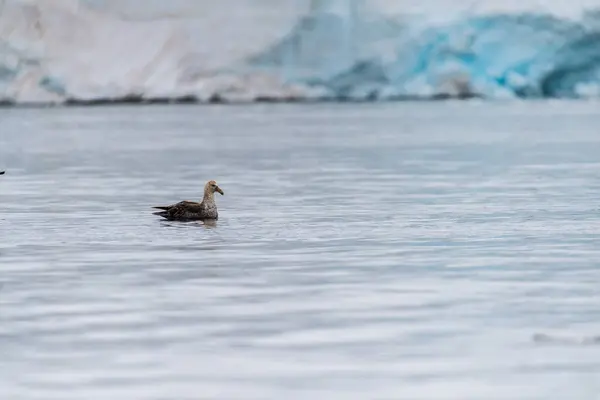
<point>163,214</point>
<point>162,207</point>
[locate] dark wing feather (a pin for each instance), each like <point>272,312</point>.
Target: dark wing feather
<point>180,204</point>
<point>164,214</point>
<point>184,210</point>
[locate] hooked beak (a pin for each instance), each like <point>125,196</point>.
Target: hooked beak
<point>218,189</point>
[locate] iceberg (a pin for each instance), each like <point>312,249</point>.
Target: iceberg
<point>97,51</point>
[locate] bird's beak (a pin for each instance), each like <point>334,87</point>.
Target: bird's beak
<point>218,189</point>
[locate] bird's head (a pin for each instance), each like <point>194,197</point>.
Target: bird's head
<point>211,187</point>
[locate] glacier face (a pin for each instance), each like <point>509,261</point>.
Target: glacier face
<point>56,51</point>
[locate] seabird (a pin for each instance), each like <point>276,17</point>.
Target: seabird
<point>192,210</point>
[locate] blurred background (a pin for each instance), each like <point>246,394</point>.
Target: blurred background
<point>60,50</point>
<point>410,210</point>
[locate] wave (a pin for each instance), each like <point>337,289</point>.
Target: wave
<point>65,52</point>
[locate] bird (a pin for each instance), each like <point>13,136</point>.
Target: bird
<point>191,210</point>
<point>2,172</point>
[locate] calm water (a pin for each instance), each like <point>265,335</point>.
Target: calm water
<point>399,251</point>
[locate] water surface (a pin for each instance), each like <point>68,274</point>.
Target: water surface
<point>398,251</point>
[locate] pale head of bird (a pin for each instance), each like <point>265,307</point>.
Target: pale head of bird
<point>211,187</point>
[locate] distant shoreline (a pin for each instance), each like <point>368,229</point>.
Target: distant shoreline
<point>219,100</point>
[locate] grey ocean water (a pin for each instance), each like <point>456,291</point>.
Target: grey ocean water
<point>396,251</point>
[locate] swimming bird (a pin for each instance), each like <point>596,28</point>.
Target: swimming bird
<point>2,172</point>
<point>192,210</point>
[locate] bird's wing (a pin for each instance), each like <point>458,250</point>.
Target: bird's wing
<point>188,206</point>
<point>185,209</point>
<point>166,208</point>
<point>184,203</point>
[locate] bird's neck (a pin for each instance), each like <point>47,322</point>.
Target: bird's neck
<point>208,197</point>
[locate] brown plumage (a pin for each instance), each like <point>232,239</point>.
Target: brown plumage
<point>192,210</point>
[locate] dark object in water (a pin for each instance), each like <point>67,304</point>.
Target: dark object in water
<point>545,338</point>
<point>2,172</point>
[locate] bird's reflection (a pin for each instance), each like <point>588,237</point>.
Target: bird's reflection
<point>209,224</point>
